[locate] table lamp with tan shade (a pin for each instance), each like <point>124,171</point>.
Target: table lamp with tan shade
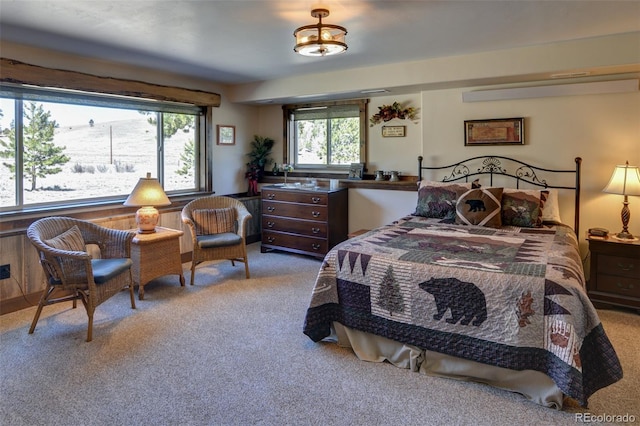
<point>147,194</point>
<point>625,180</point>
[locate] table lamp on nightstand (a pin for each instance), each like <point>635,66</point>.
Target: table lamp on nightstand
<point>147,194</point>
<point>624,181</point>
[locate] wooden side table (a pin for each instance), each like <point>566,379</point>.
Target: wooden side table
<point>154,255</point>
<point>614,277</point>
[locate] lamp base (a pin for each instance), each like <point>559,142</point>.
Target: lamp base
<point>625,236</point>
<point>147,219</point>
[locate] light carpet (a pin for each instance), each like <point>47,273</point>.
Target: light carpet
<point>230,351</point>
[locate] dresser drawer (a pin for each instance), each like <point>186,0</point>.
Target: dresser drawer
<point>296,197</point>
<point>620,266</point>
<point>298,211</point>
<point>301,227</point>
<point>618,285</point>
<point>295,242</point>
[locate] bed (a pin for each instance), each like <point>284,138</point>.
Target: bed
<point>483,282</point>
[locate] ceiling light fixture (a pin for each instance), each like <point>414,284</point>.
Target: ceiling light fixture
<point>320,39</point>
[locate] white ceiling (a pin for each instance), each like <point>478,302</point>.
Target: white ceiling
<point>242,41</point>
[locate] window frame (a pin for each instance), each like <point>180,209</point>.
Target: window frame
<point>20,93</point>
<point>289,154</point>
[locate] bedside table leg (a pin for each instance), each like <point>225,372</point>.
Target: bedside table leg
<point>141,292</point>
<point>181,280</point>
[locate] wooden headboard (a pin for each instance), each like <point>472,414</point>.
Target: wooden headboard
<point>519,171</point>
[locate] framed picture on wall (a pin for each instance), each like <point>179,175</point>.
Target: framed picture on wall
<point>496,131</point>
<point>226,134</point>
<point>356,171</point>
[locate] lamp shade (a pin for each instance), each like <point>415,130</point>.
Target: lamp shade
<point>625,180</point>
<point>147,194</point>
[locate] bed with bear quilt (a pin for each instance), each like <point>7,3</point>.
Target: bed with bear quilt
<point>500,304</point>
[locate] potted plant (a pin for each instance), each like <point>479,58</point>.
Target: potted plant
<point>259,157</point>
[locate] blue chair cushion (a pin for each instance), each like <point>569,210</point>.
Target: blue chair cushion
<point>105,269</point>
<point>219,240</point>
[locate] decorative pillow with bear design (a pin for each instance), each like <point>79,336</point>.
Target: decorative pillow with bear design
<point>479,207</point>
<point>214,221</point>
<point>438,199</point>
<point>69,240</point>
<point>523,207</point>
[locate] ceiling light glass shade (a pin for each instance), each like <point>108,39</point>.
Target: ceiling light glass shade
<point>147,194</point>
<point>320,39</point>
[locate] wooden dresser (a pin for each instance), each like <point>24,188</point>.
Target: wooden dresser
<point>304,221</point>
<point>614,276</point>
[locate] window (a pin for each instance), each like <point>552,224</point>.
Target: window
<point>63,147</point>
<point>326,136</point>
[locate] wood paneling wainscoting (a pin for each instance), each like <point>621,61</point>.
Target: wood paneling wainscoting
<point>26,283</point>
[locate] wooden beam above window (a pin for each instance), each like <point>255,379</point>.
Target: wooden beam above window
<point>12,71</point>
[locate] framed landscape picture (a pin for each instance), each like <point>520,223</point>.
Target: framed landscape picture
<point>226,134</point>
<point>497,131</point>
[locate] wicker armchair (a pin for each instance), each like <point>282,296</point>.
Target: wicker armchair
<point>229,244</point>
<point>70,271</point>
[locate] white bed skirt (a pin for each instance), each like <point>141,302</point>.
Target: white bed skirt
<point>533,385</point>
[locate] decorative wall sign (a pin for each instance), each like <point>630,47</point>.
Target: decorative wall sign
<point>498,131</point>
<point>226,135</point>
<point>393,131</point>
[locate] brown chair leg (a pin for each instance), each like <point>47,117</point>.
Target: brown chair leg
<point>43,301</point>
<point>246,268</point>
<point>90,311</point>
<point>193,270</point>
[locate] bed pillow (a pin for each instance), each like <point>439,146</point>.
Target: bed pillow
<point>438,199</point>
<point>479,207</point>
<point>523,207</point>
<point>551,209</point>
<point>69,240</point>
<point>214,221</point>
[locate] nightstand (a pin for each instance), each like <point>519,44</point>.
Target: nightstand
<point>154,255</point>
<point>614,276</point>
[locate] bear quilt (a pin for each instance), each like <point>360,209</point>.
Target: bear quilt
<point>509,297</point>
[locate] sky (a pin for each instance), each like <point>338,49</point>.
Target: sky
<point>71,115</point>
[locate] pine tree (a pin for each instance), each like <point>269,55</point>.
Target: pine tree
<point>187,158</point>
<point>41,156</point>
<point>390,296</point>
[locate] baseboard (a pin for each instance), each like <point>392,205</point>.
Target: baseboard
<point>22,302</point>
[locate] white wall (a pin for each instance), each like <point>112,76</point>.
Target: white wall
<point>602,129</point>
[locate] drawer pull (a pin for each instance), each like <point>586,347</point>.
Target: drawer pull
<point>315,200</point>
<point>270,239</point>
<point>270,224</point>
<point>623,287</point>
<point>315,214</point>
<point>271,196</point>
<point>271,209</point>
<point>315,246</point>
<point>315,230</point>
<point>628,267</point>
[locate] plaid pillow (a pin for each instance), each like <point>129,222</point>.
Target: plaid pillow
<point>214,221</point>
<point>479,207</point>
